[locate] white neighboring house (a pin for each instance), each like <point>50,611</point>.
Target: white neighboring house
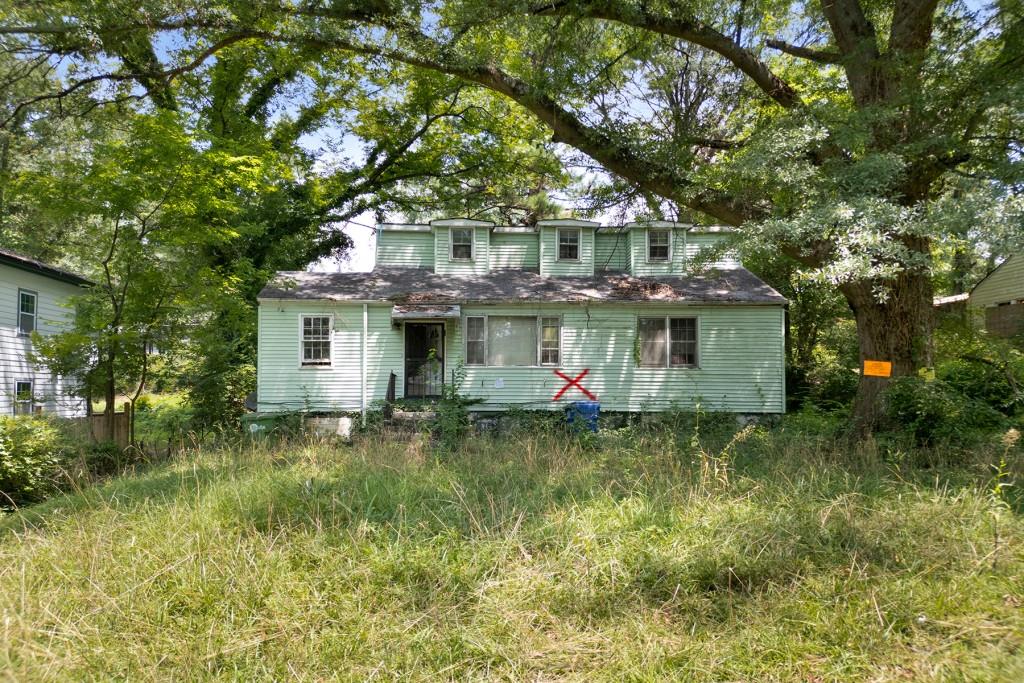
<point>33,297</point>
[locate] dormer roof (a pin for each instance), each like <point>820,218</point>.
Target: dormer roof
<point>567,223</point>
<point>460,223</point>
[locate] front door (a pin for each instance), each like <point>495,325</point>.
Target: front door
<point>424,359</point>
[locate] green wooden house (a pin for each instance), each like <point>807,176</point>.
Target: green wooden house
<point>528,318</point>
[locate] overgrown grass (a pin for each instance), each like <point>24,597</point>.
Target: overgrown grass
<point>644,554</point>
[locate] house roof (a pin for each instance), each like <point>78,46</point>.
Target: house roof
<point>422,285</point>
<point>31,265</point>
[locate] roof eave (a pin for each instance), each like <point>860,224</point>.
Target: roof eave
<point>495,302</point>
<point>45,271</point>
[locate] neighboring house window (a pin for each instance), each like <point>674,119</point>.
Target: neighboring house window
<point>26,311</point>
<point>462,244</point>
<point>23,399</point>
<point>658,245</point>
<point>513,340</point>
<point>667,342</point>
<point>316,340</point>
<point>569,245</point>
<point>550,341</point>
<point>476,344</point>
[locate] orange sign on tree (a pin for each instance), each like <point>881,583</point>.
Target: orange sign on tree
<point>877,368</point>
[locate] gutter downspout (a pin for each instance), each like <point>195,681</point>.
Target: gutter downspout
<point>366,317</point>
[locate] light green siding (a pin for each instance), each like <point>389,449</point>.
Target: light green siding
<point>282,384</point>
<point>695,241</point>
<point>405,248</point>
<point>611,250</point>
<point>642,267</point>
<point>740,352</point>
<point>443,263</point>
<point>1004,284</point>
<point>514,250</point>
<point>550,265</point>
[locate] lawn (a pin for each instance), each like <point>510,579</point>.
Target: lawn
<point>640,555</point>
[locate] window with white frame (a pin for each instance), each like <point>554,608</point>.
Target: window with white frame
<point>462,244</point>
<point>316,340</point>
<point>476,340</point>
<point>569,244</point>
<point>550,341</point>
<point>23,398</point>
<point>659,245</point>
<point>667,342</point>
<point>513,340</point>
<point>27,311</point>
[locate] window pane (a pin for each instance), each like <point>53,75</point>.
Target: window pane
<point>474,353</point>
<point>511,340</point>
<point>653,339</point>
<point>462,243</point>
<point>658,245</point>
<point>550,342</point>
<point>684,341</point>
<point>475,341</point>
<point>26,312</point>
<point>23,398</point>
<point>26,323</point>
<point>568,244</point>
<point>316,340</point>
<point>28,302</point>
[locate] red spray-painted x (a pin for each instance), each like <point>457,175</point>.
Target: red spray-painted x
<point>573,382</point>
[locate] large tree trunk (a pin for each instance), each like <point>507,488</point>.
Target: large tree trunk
<point>897,330</point>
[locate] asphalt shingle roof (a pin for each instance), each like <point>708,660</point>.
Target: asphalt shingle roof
<point>421,285</point>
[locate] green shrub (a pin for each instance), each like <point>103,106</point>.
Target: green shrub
<point>935,412</point>
<point>451,417</point>
<point>990,382</point>
<point>831,386</point>
<point>104,458</point>
<point>32,456</point>
<point>161,419</point>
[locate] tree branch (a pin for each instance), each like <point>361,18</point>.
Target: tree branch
<point>688,29</point>
<point>819,56</point>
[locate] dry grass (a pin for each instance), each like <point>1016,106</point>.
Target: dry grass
<point>642,556</point>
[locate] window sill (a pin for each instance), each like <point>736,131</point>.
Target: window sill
<point>514,367</point>
<point>316,367</point>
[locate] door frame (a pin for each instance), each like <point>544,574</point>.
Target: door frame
<point>405,355</point>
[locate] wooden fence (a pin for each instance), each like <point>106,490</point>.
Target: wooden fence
<point>94,427</point>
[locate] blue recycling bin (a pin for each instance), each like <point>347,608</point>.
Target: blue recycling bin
<point>583,414</point>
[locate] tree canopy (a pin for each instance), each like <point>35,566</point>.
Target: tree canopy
<point>872,143</point>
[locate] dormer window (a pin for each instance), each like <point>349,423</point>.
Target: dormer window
<point>659,245</point>
<point>569,244</point>
<point>462,244</point>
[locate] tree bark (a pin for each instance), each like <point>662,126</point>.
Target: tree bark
<point>897,330</point>
<point>110,396</point>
